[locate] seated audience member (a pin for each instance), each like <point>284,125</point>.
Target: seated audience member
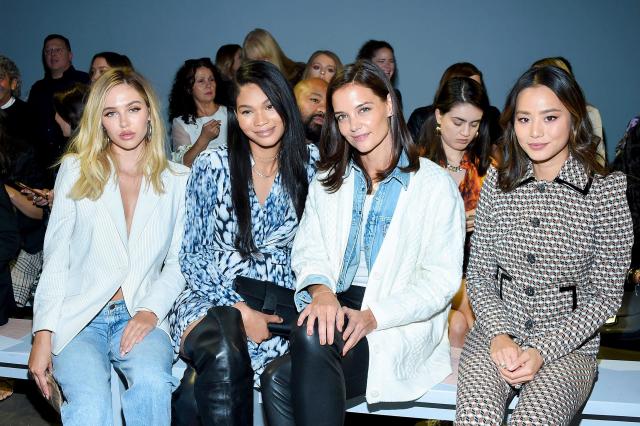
<point>104,61</point>
<point>322,64</point>
<point>59,75</point>
<point>259,45</point>
<point>627,161</point>
<point>549,255</point>
<point>381,54</point>
<point>228,60</point>
<point>19,120</point>
<point>109,278</point>
<point>461,69</point>
<point>593,113</point>
<point>377,259</point>
<point>69,106</point>
<point>456,137</point>
<point>198,120</point>
<point>311,99</point>
<point>243,207</point>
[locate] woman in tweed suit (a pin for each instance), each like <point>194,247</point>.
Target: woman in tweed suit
<point>549,253</point>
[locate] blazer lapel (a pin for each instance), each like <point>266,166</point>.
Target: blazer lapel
<point>145,206</point>
<point>112,201</point>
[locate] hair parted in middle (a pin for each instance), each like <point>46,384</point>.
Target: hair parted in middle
<point>181,103</point>
<point>582,141</point>
<point>453,92</point>
<point>314,55</point>
<point>293,154</point>
<point>336,153</point>
<point>91,147</point>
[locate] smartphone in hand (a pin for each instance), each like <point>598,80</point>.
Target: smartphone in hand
<point>34,191</point>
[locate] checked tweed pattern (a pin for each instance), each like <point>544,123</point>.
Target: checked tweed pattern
<point>547,267</point>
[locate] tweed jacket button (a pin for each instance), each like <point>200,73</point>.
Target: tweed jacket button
<point>528,324</point>
<point>542,187</point>
<point>535,222</point>
<point>529,291</point>
<point>531,258</point>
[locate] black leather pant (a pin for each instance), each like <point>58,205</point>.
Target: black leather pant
<point>217,387</point>
<point>310,385</point>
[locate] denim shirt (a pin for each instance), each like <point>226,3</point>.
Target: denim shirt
<point>383,206</point>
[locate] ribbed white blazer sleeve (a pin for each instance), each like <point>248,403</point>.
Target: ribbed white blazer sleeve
<point>50,292</point>
<point>164,290</point>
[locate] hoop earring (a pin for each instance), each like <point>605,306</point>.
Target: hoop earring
<point>438,132</point>
<point>149,131</point>
<point>105,136</point>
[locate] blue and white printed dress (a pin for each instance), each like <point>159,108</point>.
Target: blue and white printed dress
<point>209,259</point>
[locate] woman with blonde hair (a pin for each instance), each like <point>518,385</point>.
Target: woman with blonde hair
<point>323,64</point>
<point>259,45</point>
<point>109,276</point>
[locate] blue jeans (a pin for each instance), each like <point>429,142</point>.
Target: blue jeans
<point>83,370</point>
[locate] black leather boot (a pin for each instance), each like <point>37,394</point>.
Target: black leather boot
<point>184,410</point>
<point>223,386</point>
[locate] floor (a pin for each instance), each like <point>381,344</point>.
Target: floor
<point>27,408</point>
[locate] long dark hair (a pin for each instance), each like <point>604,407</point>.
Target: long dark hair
<point>181,103</point>
<point>69,103</point>
<point>369,49</point>
<point>453,92</point>
<point>582,141</point>
<point>293,155</point>
<point>336,153</point>
<point>114,59</point>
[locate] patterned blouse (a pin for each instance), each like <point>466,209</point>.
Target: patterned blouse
<point>209,259</point>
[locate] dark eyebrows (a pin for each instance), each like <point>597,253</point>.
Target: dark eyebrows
<point>546,111</point>
<point>357,106</point>
<point>128,105</point>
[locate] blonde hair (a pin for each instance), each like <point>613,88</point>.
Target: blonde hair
<point>90,145</point>
<point>260,45</point>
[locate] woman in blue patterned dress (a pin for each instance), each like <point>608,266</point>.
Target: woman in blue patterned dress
<point>243,205</point>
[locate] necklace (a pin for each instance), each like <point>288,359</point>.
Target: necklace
<point>262,175</point>
<point>454,169</point>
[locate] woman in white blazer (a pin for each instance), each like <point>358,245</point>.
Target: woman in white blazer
<point>377,258</point>
<point>111,268</point>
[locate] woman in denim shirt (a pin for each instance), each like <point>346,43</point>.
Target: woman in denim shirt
<point>377,258</point>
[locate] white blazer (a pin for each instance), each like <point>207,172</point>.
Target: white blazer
<point>87,255</point>
<point>411,283</point>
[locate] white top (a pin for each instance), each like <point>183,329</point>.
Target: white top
<point>184,136</point>
<point>596,123</point>
<point>88,255</point>
<point>411,283</point>
<point>362,274</point>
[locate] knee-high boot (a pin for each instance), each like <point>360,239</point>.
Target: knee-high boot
<point>184,410</point>
<point>217,349</point>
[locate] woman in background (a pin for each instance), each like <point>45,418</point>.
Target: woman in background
<point>322,64</point>
<point>199,121</point>
<point>382,55</point>
<point>104,61</point>
<point>259,45</point>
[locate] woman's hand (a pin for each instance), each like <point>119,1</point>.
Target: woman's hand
<point>256,324</point>
<point>530,361</point>
<point>360,324</point>
<point>470,217</point>
<point>326,309</point>
<point>505,352</point>
<point>210,130</point>
<point>136,330</point>
<point>40,360</point>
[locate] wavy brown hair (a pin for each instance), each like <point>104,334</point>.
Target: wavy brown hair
<point>582,140</point>
<point>336,153</point>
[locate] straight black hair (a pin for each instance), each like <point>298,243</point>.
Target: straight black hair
<point>293,154</point>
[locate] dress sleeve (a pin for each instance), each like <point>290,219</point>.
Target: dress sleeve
<point>208,176</point>
<point>181,141</point>
<point>481,286</point>
<point>613,236</point>
<point>50,291</point>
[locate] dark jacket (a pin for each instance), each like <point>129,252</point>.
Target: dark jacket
<point>9,246</point>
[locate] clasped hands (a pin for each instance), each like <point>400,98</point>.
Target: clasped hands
<point>326,309</point>
<point>515,364</point>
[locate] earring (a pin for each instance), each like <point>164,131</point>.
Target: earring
<point>105,136</point>
<point>438,132</point>
<point>149,131</point>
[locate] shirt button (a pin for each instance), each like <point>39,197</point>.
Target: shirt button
<point>528,324</point>
<point>529,291</point>
<point>542,187</point>
<point>531,258</point>
<point>535,222</point>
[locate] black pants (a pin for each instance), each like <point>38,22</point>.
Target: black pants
<point>217,386</point>
<point>310,385</point>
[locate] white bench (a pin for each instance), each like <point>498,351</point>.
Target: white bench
<point>615,398</point>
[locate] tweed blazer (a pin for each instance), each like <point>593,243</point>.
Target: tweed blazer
<point>548,259</point>
<point>88,256</point>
